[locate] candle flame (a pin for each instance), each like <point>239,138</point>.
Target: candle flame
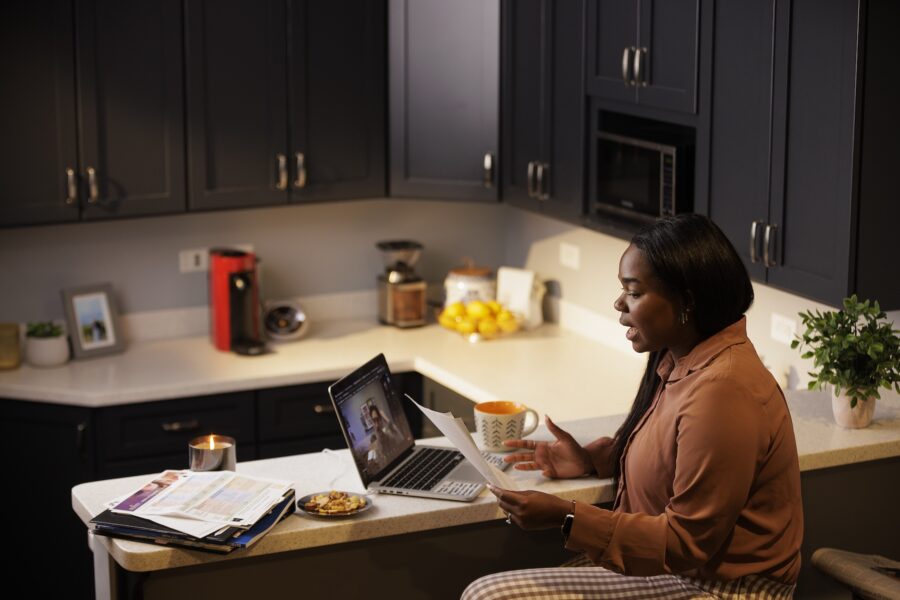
<point>212,443</point>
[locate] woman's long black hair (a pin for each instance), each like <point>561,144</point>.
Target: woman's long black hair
<point>700,269</point>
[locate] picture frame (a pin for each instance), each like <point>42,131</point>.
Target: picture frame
<point>92,318</point>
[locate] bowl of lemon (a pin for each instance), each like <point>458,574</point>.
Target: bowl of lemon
<point>479,320</point>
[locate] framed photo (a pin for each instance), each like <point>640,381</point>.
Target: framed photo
<point>93,321</point>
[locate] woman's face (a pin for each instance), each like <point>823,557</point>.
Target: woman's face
<point>650,315</point>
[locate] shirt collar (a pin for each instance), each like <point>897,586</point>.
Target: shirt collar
<point>670,370</point>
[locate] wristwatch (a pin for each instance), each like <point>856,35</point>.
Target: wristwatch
<point>568,521</point>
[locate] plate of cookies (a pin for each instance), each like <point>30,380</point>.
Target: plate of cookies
<point>334,503</point>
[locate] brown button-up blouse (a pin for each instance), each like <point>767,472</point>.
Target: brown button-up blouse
<point>710,483</point>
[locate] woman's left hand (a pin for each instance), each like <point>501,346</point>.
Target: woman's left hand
<point>532,510</point>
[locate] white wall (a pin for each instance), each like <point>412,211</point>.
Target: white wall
<point>329,248</point>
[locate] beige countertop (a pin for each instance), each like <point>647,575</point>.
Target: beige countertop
<point>550,369</point>
<point>820,444</point>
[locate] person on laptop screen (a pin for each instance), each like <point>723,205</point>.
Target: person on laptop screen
<point>706,467</point>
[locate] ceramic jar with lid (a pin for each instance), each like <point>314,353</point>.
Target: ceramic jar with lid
<point>468,283</point>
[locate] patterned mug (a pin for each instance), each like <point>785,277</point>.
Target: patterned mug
<point>501,420</point>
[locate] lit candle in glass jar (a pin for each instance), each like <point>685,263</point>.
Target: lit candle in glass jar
<point>212,453</point>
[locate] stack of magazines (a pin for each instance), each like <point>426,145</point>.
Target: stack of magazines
<point>218,511</point>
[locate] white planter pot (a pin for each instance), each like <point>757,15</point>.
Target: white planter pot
<point>852,418</point>
<point>47,352</point>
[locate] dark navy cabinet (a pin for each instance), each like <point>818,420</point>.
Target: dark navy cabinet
<point>543,110</point>
<point>93,111</point>
<point>286,101</point>
<point>444,98</point>
<point>798,175</point>
<point>644,52</point>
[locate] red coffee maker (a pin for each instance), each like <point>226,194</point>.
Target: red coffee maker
<point>234,322</point>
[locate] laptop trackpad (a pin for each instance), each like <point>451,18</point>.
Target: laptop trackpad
<point>465,472</point>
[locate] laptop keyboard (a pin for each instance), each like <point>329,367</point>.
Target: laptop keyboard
<point>425,471</point>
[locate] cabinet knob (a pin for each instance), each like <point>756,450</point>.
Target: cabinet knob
<point>176,426</point>
<point>530,178</point>
<point>626,66</point>
<point>282,172</point>
<point>639,74</point>
<point>300,182</point>
<point>93,189</point>
<point>769,258</point>
<point>488,170</point>
<point>71,187</point>
<point>542,170</point>
<point>323,409</point>
<point>754,243</point>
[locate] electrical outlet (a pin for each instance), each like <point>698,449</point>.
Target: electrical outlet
<point>569,256</point>
<point>783,329</point>
<point>193,261</point>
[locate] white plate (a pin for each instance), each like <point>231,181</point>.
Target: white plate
<point>302,502</point>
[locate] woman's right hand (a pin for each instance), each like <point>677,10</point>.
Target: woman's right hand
<point>562,459</point>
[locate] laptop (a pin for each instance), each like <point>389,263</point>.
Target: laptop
<point>370,413</point>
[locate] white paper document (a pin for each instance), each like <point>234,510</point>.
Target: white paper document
<point>455,431</point>
<point>201,503</point>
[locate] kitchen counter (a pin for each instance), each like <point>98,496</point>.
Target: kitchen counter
<point>552,370</point>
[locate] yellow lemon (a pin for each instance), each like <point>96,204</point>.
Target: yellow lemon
<point>507,322</point>
<point>457,309</point>
<point>488,328</point>
<point>466,326</point>
<point>446,320</point>
<point>476,309</point>
<point>495,307</point>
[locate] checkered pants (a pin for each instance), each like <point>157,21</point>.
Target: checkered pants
<point>596,583</point>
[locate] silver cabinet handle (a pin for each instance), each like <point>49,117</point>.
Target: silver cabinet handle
<point>769,257</point>
<point>542,169</point>
<point>639,77</point>
<point>93,191</point>
<point>300,182</point>
<point>323,409</point>
<point>71,187</point>
<point>282,172</point>
<point>177,426</point>
<point>626,66</point>
<point>754,230</point>
<point>531,169</point>
<point>488,170</point>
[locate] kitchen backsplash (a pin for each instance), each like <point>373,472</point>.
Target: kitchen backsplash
<point>325,253</point>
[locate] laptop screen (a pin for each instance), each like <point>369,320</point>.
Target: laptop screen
<point>372,418</point>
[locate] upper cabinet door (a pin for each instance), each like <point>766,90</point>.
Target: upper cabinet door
<point>131,107</point>
<point>741,126</point>
<point>444,98</point>
<point>665,64</point>
<point>524,97</point>
<point>811,206</point>
<point>612,43</point>
<point>236,104</point>
<point>336,79</point>
<point>37,124</point>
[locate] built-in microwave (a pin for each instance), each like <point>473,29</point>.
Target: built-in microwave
<point>642,179</point>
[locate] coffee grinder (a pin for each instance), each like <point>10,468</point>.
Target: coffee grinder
<point>401,293</point>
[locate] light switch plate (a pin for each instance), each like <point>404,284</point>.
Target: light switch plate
<point>194,260</point>
<point>783,329</point>
<point>569,256</point>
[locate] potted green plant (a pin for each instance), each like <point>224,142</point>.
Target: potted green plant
<point>857,352</point>
<point>45,344</point>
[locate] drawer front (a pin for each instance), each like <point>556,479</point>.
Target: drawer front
<point>298,411</point>
<point>157,428</point>
<point>158,464</point>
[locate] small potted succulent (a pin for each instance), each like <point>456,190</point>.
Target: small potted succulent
<point>45,344</point>
<point>857,352</point>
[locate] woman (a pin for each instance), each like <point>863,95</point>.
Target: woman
<point>708,481</point>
